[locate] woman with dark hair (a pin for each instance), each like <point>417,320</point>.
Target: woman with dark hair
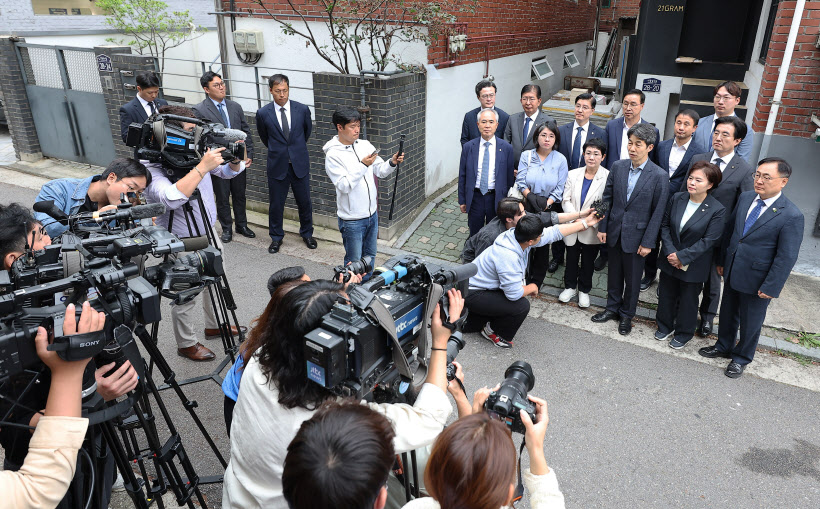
<point>277,396</point>
<point>691,227</point>
<point>542,173</point>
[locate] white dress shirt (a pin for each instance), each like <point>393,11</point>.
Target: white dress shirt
<point>584,133</point>
<point>145,106</point>
<point>766,204</point>
<point>625,140</point>
<point>676,155</point>
<point>287,114</point>
<point>481,150</point>
<point>725,160</point>
<point>532,124</point>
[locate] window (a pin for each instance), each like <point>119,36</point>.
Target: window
<point>541,68</point>
<point>65,8</point>
<point>767,34</point>
<point>606,4</point>
<point>570,60</point>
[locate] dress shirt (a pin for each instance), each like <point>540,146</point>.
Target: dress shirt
<point>625,140</point>
<point>766,204</point>
<point>287,114</point>
<point>725,160</point>
<point>715,118</point>
<point>584,133</point>
<point>224,108</point>
<point>145,105</point>
<point>634,175</point>
<point>481,150</point>
<point>676,155</point>
<point>532,124</point>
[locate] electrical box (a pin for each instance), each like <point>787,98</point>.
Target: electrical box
<point>249,42</point>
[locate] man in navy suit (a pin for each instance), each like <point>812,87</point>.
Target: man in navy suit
<point>143,105</point>
<point>485,173</point>
<point>727,97</point>
<point>216,108</point>
<point>485,90</point>
<point>760,247</point>
<point>575,134</point>
<point>284,127</point>
<point>616,129</point>
<point>637,192</point>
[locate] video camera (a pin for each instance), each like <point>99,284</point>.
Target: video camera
<point>511,397</point>
<point>375,347</point>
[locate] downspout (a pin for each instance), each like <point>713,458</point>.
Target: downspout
<point>781,78</point>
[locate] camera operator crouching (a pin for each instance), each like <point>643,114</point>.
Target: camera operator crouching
<point>175,195</point>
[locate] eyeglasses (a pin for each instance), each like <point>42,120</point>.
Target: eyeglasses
<point>529,99</point>
<point>486,96</point>
<point>220,84</point>
<point>719,98</point>
<point>764,177</point>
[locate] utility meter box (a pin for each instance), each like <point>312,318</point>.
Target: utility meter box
<point>249,42</point>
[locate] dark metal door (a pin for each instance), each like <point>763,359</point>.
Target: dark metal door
<point>67,103</point>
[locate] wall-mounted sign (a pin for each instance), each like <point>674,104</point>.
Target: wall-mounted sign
<point>651,85</point>
<point>104,63</point>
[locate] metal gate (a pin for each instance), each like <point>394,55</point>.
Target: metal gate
<point>67,103</point>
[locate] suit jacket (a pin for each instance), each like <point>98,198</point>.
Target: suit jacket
<point>469,128</point>
<point>515,126</point>
<point>695,242</point>
<point>614,134</point>
<point>763,258</point>
<point>132,111</point>
<point>282,151</point>
<point>636,221</point>
<point>468,170</point>
<point>676,180</point>
<point>572,201</point>
<point>703,135</point>
<point>737,179</point>
<point>567,137</point>
<point>206,110</point>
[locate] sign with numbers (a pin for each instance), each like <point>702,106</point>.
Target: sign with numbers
<point>651,85</point>
<point>104,63</point>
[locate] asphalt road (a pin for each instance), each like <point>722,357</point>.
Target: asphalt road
<point>629,426</point>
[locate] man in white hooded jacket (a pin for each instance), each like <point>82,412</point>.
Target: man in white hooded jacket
<point>351,163</point>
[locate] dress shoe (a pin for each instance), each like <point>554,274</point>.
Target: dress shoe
<point>310,242</point>
<point>712,352</point>
<point>247,232</point>
<point>226,236</point>
<point>274,246</point>
<point>215,334</point>
<point>568,294</point>
<point>605,316</point>
<point>705,328</point>
<point>600,263</point>
<point>553,266</point>
<point>734,370</point>
<point>646,283</point>
<point>625,326</point>
<point>198,352</point>
<point>583,300</point>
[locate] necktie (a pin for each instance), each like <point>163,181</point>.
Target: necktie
<point>753,216</point>
<point>526,130</point>
<point>718,162</point>
<point>575,158</point>
<point>224,116</point>
<point>485,169</point>
<point>153,107</point>
<point>285,126</point>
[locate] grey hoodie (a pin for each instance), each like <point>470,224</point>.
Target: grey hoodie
<point>356,195</point>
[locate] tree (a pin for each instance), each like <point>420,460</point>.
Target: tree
<point>153,28</point>
<point>362,26</point>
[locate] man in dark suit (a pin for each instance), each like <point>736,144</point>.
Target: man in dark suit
<point>518,132</point>
<point>485,173</point>
<point>637,192</point>
<point>216,108</point>
<point>575,134</point>
<point>737,178</point>
<point>760,247</point>
<point>143,105</point>
<point>485,90</point>
<point>616,129</point>
<point>284,127</point>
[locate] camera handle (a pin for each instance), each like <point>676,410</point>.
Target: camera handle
<point>396,181</point>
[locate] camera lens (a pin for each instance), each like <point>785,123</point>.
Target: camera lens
<point>454,345</point>
<point>518,381</point>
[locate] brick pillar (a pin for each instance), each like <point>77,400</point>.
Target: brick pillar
<point>15,100</point>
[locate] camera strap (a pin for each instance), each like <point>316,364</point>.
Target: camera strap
<point>376,309</point>
<point>519,488</point>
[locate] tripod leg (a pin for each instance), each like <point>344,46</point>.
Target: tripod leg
<point>133,486</point>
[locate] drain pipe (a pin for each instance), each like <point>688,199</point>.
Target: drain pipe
<point>781,78</point>
<point>363,108</point>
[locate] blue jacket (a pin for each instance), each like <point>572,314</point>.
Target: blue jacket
<point>703,135</point>
<point>68,195</point>
<point>468,170</point>
<point>614,133</point>
<point>469,127</point>
<point>676,180</point>
<point>282,151</point>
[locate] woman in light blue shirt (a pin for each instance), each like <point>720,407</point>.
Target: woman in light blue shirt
<point>542,173</point>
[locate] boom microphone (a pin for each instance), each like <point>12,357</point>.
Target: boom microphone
<point>234,134</point>
<point>195,243</point>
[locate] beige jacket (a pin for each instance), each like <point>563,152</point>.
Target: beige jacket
<point>572,201</point>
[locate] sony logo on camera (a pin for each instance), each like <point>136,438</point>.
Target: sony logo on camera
<point>90,343</point>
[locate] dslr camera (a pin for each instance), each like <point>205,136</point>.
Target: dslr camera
<point>360,267</point>
<point>505,403</point>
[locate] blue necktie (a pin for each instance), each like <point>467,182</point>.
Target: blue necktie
<point>224,116</point>
<point>753,216</point>
<point>485,169</point>
<point>575,158</point>
<point>526,130</point>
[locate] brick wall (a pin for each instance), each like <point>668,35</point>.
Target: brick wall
<point>15,102</point>
<point>618,9</point>
<point>801,96</point>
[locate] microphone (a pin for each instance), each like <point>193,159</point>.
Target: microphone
<point>195,243</point>
<point>233,135</point>
<point>456,274</point>
<point>136,212</point>
<point>47,207</point>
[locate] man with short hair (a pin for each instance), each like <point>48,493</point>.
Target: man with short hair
<point>145,104</point>
<point>759,250</point>
<point>284,127</point>
<point>92,194</point>
<point>518,132</point>
<point>19,231</point>
<point>636,191</point>
<point>617,129</point>
<point>574,135</point>
<point>218,109</point>
<point>485,91</point>
<point>726,99</point>
<point>485,172</point>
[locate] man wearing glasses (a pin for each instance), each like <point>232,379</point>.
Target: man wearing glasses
<point>520,125</point>
<point>485,90</point>
<point>616,129</point>
<point>737,178</point>
<point>726,98</point>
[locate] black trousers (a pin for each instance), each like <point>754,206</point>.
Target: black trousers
<point>580,277</point>
<point>742,311</point>
<point>482,210</point>
<point>623,281</point>
<point>537,265</point>
<point>505,316</point>
<point>227,408</point>
<point>229,191</point>
<point>558,247</point>
<point>278,192</point>
<point>711,295</point>
<point>677,307</point>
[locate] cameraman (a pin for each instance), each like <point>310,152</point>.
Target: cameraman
<point>92,194</point>
<point>277,397</point>
<point>176,196</point>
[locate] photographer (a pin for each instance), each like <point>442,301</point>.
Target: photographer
<point>92,194</point>
<point>176,196</point>
<point>43,479</point>
<point>277,397</point>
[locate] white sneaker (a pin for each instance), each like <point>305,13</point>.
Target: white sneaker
<point>568,294</point>
<point>583,300</point>
<point>119,484</point>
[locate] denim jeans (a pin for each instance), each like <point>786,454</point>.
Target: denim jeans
<point>359,238</point>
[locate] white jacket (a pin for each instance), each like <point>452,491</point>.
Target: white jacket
<point>572,201</point>
<point>356,195</point>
